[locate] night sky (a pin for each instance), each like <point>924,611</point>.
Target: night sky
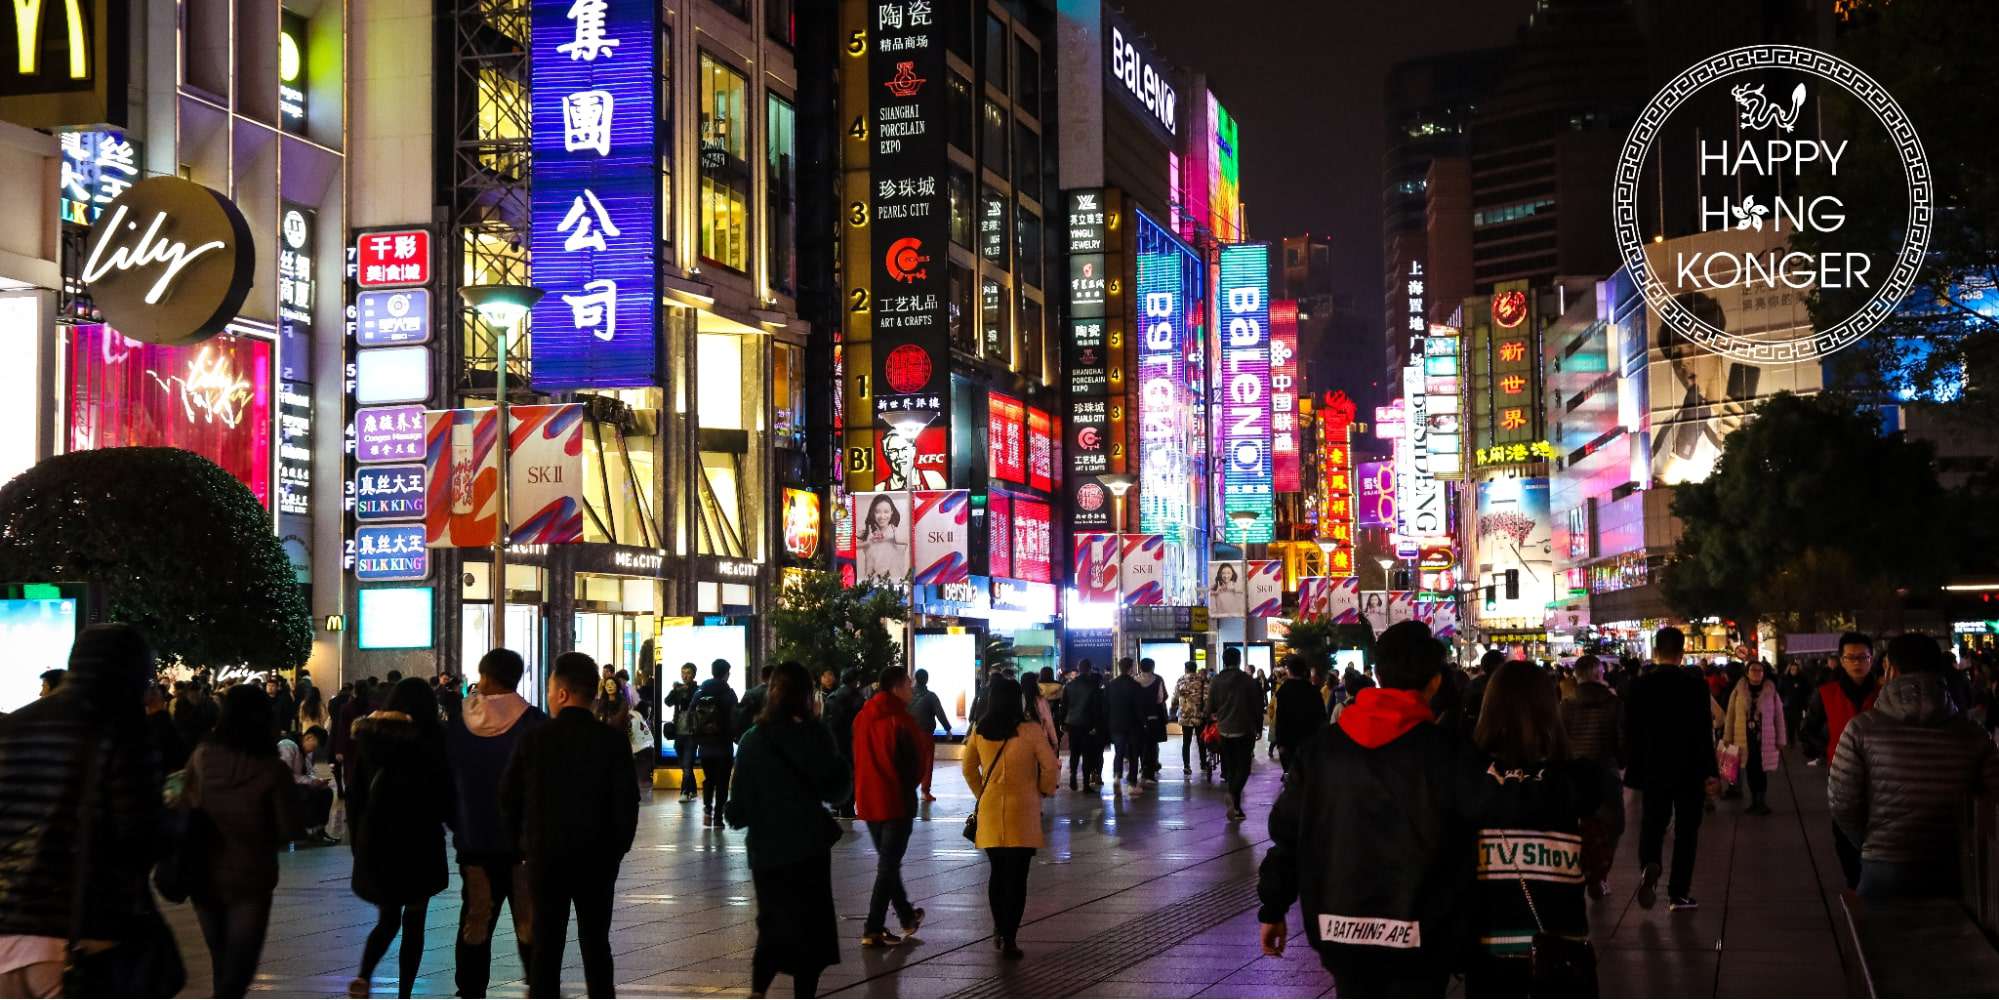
<point>1303,79</point>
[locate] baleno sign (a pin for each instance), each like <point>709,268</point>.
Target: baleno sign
<point>169,261</point>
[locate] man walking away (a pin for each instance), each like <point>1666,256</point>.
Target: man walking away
<point>714,720</point>
<point>680,702</point>
<point>1083,704</point>
<point>1190,706</point>
<point>1849,691</point>
<point>1126,715</point>
<point>569,801</point>
<point>843,706</point>
<point>1901,776</point>
<point>749,707</point>
<point>1671,740</point>
<point>1235,702</point>
<point>886,757</point>
<point>1594,722</point>
<point>928,712</point>
<point>1300,712</point>
<point>1380,909</point>
<point>479,744</point>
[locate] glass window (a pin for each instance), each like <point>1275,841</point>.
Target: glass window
<point>719,389</point>
<point>1029,327</point>
<point>725,168</point>
<point>963,329</point>
<point>992,138</point>
<point>740,8</point>
<point>781,187</point>
<point>502,115</point>
<point>994,62</point>
<point>1027,77</point>
<point>1029,259</point>
<point>781,22</point>
<point>961,207</point>
<point>992,226</point>
<point>995,316</point>
<point>788,404</point>
<point>959,96</point>
<point>1027,162</point>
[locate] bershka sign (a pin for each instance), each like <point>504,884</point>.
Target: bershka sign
<point>169,262</point>
<point>1776,167</point>
<point>1139,73</point>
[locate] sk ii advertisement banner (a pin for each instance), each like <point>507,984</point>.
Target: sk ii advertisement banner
<point>881,535</point>
<point>594,92</point>
<point>1266,587</point>
<point>1342,601</point>
<point>544,476</point>
<point>1311,596</point>
<point>1095,567</point>
<point>942,536</point>
<point>1142,569</point>
<point>909,289</point>
<point>1244,392</point>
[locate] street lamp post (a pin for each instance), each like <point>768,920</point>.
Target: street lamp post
<point>1386,564</point>
<point>1244,520</point>
<point>501,307</point>
<point>1119,484</point>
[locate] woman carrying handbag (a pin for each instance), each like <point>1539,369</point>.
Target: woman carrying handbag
<point>1010,767</point>
<point>1756,727</point>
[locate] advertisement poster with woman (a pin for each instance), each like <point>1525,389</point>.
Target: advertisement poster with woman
<point>1266,587</point>
<point>1516,547</point>
<point>942,536</point>
<point>1225,585</point>
<point>881,536</point>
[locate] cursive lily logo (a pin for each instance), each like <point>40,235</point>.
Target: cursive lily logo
<point>210,390</point>
<point>150,250</point>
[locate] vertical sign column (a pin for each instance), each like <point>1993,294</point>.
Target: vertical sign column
<point>1093,354</point>
<point>1336,484</point>
<point>1245,388</point>
<point>389,381</point>
<point>908,275</point>
<point>1284,477</point>
<point>594,89</point>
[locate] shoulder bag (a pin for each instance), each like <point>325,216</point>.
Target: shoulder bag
<point>830,829</point>
<point>1559,966</point>
<point>972,821</point>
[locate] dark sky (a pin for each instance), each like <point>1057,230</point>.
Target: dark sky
<point>1303,79</point>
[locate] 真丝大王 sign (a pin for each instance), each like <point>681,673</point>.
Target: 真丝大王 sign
<point>169,261</point>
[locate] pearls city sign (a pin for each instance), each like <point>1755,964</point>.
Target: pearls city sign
<point>169,262</point>
<point>1773,172</point>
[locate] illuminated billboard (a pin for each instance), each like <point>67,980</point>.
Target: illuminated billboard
<point>1169,275</point>
<point>1515,544</point>
<point>594,87</point>
<point>1284,387</point>
<point>1243,400</point>
<point>1224,174</point>
<point>212,398</point>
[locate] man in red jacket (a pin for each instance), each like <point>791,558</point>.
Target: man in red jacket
<point>1850,692</point>
<point>887,769</point>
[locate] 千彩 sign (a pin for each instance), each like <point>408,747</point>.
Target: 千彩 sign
<point>169,261</point>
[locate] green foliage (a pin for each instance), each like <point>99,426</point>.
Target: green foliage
<point>179,547</point>
<point>1935,57</point>
<point>1313,640</point>
<point>1810,515</point>
<point>827,626</point>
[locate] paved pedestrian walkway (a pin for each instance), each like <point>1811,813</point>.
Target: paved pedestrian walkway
<point>1150,894</point>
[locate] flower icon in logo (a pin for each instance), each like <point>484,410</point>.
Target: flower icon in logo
<point>1749,214</point>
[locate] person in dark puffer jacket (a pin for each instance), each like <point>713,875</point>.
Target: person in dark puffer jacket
<point>1902,773</point>
<point>43,750</point>
<point>1593,719</point>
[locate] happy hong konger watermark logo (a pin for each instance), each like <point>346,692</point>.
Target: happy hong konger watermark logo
<point>1770,170</point>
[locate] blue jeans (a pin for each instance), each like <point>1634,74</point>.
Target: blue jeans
<point>891,839</point>
<point>1883,880</point>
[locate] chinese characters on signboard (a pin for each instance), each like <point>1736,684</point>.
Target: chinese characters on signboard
<point>1336,485</point>
<point>595,86</point>
<point>909,261</point>
<point>96,168</point>
<point>1284,396</point>
<point>1093,355</point>
<point>294,448</point>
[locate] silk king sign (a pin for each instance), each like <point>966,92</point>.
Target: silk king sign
<point>1778,178</point>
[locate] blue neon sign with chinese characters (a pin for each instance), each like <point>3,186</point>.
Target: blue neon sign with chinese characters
<point>596,192</point>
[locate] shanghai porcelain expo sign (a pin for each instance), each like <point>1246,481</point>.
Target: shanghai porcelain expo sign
<point>1768,172</point>
<point>169,262</point>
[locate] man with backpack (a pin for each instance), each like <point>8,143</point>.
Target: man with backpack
<point>1083,706</point>
<point>713,720</point>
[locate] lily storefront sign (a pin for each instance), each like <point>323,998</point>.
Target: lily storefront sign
<point>169,262</point>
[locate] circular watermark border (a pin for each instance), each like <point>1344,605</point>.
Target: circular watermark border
<point>1826,66</point>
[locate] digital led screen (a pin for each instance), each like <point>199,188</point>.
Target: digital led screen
<point>1169,277</point>
<point>213,399</point>
<point>37,634</point>
<point>594,88</point>
<point>1244,403</point>
<point>394,617</point>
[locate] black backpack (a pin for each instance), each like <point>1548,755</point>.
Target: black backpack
<point>707,714</point>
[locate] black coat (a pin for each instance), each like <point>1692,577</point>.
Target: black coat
<point>569,794</point>
<point>1300,713</point>
<point>842,707</point>
<point>1083,708</point>
<point>1668,729</point>
<point>1124,705</point>
<point>399,798</point>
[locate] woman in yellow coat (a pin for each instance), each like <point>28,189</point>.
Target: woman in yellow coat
<point>1011,767</point>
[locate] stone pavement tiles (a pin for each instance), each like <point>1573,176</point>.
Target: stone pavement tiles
<point>1147,894</point>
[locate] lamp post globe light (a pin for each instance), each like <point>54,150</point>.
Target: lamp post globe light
<point>501,307</point>
<point>1119,483</point>
<point>1386,564</point>
<point>1244,520</point>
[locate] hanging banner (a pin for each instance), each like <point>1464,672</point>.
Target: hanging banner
<point>545,474</point>
<point>1311,595</point>
<point>1142,569</point>
<point>1374,609</point>
<point>1266,587</point>
<point>1343,601</point>
<point>1400,606</point>
<point>1033,541</point>
<point>881,536</point>
<point>942,536</point>
<point>1284,386</point>
<point>1441,616</point>
<point>462,475</point>
<point>1095,567</point>
<point>1225,584</point>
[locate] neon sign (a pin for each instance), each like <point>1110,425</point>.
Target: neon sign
<point>1245,388</point>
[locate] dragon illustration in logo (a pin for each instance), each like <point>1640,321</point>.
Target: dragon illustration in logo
<point>1761,112</point>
